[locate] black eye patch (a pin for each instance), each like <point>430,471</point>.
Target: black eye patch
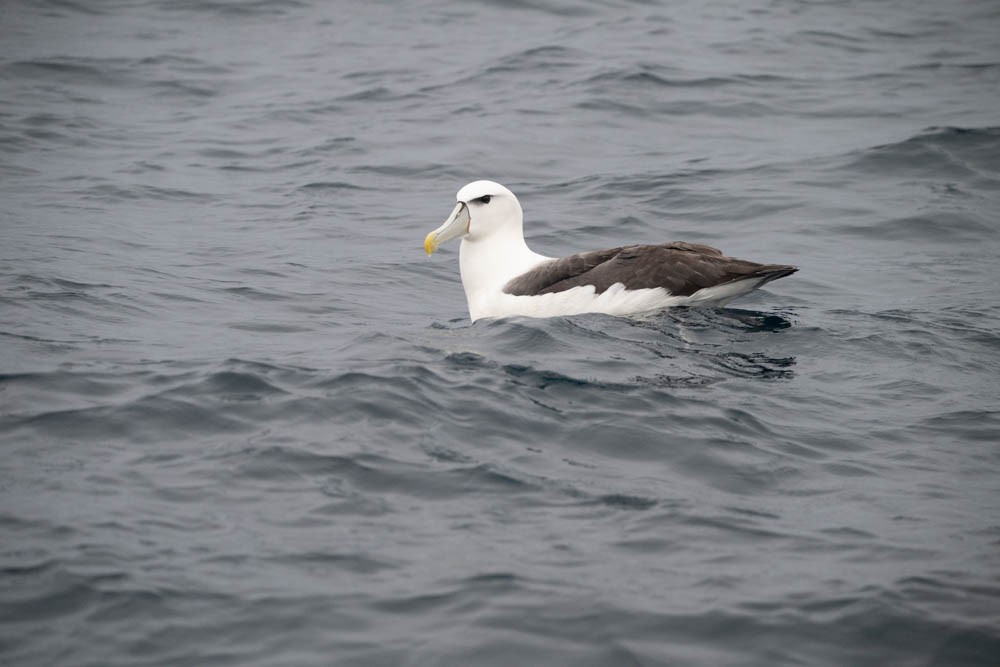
<point>485,199</point>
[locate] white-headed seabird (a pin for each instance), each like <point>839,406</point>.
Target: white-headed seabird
<point>503,277</point>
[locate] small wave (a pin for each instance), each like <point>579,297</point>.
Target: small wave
<point>180,88</point>
<point>319,561</point>
<point>964,155</point>
<point>254,294</point>
<point>938,227</point>
<point>724,109</point>
<point>969,425</point>
<point>234,385</point>
<point>108,192</point>
<point>331,186</point>
<point>834,40</point>
<point>646,76</point>
<point>62,7</point>
<point>247,8</point>
<point>627,502</point>
<point>70,71</point>
<point>535,58</point>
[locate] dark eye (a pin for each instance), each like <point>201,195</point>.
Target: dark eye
<point>485,199</point>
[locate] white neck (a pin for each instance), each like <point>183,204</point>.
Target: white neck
<point>488,264</point>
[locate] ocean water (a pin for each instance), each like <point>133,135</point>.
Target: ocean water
<point>245,420</point>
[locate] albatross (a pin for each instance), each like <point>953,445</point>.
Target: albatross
<point>503,277</point>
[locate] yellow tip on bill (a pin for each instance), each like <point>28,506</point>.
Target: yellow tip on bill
<point>430,244</point>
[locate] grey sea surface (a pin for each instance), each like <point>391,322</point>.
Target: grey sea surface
<point>244,420</point>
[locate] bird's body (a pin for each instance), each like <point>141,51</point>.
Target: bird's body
<point>503,277</point>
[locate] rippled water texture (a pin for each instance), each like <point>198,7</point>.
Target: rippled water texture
<point>244,419</point>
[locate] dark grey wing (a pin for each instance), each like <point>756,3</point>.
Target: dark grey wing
<point>680,268</point>
<point>543,277</point>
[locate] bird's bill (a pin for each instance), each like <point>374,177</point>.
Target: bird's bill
<point>456,225</point>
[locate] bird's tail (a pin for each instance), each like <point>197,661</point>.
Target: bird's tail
<point>770,272</point>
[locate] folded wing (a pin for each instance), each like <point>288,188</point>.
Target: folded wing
<point>681,268</point>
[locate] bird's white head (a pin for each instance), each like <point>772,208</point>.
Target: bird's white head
<point>485,209</point>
